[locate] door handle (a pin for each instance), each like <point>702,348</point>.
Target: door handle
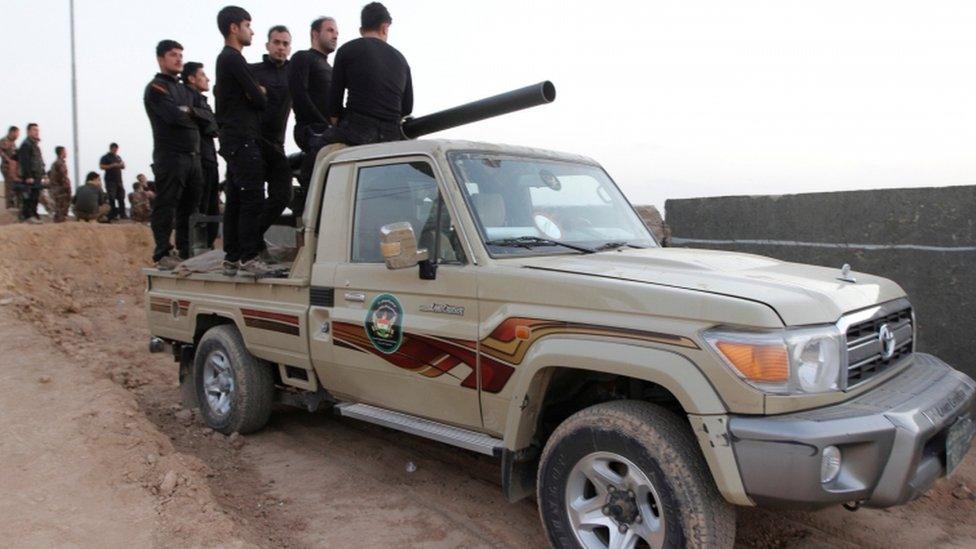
<point>358,297</point>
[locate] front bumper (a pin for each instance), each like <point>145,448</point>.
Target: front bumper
<point>892,439</point>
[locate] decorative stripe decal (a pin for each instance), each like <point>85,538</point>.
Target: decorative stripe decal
<point>501,351</point>
<point>165,305</point>
<point>271,321</point>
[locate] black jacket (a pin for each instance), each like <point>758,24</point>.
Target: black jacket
<point>239,100</point>
<point>169,106</point>
<point>377,78</point>
<point>30,161</point>
<point>309,78</point>
<point>274,78</point>
<point>207,124</point>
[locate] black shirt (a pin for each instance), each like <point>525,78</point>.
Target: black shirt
<point>274,78</point>
<point>309,78</point>
<point>206,123</point>
<point>377,77</point>
<point>112,175</point>
<point>169,106</point>
<point>238,99</point>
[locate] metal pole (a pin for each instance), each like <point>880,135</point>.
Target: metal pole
<point>74,98</point>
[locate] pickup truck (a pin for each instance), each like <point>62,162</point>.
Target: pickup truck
<point>509,301</point>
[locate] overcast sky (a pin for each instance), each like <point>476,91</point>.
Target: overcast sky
<point>675,99</point>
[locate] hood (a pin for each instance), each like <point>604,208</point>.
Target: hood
<point>800,294</point>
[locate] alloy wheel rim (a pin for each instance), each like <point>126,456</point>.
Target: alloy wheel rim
<point>218,383</point>
<point>612,504</point>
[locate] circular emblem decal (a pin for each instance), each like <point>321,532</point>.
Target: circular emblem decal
<point>384,323</point>
<point>887,339</point>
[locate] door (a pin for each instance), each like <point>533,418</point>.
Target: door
<point>401,342</point>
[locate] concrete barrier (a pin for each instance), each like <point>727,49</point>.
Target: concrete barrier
<point>924,239</point>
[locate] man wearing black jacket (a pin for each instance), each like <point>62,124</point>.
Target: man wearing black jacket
<point>30,163</point>
<point>272,73</point>
<point>309,78</point>
<point>197,81</point>
<point>176,155</point>
<point>377,79</point>
<point>240,100</point>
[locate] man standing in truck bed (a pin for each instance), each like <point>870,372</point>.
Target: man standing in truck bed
<point>377,78</point>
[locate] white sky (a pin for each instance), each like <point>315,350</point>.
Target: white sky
<point>675,99</point>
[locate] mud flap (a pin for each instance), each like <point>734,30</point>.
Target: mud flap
<point>518,474</point>
<point>188,393</point>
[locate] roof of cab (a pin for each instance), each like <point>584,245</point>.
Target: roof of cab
<point>434,147</point>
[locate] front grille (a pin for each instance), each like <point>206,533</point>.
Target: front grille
<point>865,357</point>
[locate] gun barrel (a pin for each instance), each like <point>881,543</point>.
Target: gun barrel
<point>503,103</point>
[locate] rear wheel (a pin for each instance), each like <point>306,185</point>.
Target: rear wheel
<point>629,474</point>
<point>235,389</point>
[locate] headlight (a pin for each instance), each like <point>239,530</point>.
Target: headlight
<point>789,361</point>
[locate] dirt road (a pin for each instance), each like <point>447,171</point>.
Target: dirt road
<point>97,452</point>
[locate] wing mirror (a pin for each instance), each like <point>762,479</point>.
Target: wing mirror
<point>398,246</point>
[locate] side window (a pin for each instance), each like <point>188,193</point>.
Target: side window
<point>402,192</point>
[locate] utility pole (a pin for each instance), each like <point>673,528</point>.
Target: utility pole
<point>74,98</point>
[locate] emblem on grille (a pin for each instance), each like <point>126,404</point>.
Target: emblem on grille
<point>887,339</point>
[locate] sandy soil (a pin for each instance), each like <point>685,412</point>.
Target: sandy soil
<point>97,452</point>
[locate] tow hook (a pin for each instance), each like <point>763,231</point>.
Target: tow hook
<point>853,506</point>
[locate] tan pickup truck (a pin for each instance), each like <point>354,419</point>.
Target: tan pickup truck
<point>509,301</point>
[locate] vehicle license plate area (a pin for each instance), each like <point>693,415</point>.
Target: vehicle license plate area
<point>958,440</point>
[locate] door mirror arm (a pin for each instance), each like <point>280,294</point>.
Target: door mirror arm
<point>428,270</point>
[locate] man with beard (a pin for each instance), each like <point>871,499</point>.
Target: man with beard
<point>176,156</point>
<point>309,79</point>
<point>198,82</point>
<point>240,100</point>
<point>272,73</point>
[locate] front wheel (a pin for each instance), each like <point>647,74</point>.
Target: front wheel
<point>235,389</point>
<point>629,474</point>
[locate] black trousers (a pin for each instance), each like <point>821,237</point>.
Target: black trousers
<point>243,239</point>
<point>278,174</point>
<point>210,199</point>
<point>179,182</point>
<point>29,196</point>
<point>310,138</point>
<point>116,199</point>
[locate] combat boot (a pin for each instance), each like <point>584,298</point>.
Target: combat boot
<point>255,268</point>
<point>229,268</point>
<point>168,262</point>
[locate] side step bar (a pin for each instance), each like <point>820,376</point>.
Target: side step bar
<point>448,434</point>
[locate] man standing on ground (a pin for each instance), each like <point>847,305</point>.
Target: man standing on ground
<point>272,74</point>
<point>112,164</point>
<point>240,100</point>
<point>8,167</point>
<point>198,82</point>
<point>60,186</point>
<point>378,81</point>
<point>30,164</point>
<point>176,156</point>
<point>90,201</point>
<point>309,78</point>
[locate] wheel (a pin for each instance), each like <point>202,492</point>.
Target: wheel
<point>235,390</point>
<point>629,474</point>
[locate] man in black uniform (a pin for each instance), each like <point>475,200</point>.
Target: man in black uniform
<point>377,79</point>
<point>112,164</point>
<point>272,73</point>
<point>240,100</point>
<point>198,82</point>
<point>309,78</point>
<point>176,155</point>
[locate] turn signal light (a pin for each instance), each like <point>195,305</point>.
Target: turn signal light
<point>764,363</point>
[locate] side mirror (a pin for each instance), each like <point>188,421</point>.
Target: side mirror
<point>398,246</point>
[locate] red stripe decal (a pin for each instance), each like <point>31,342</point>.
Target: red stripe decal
<point>280,317</point>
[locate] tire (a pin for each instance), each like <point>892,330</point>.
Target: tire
<point>623,445</point>
<point>240,396</point>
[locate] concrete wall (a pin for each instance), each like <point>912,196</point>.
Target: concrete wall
<point>924,239</point>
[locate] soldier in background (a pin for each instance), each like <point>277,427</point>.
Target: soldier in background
<point>309,79</point>
<point>196,79</point>
<point>272,73</point>
<point>140,202</point>
<point>8,167</point>
<point>30,165</point>
<point>113,165</point>
<point>90,201</point>
<point>377,79</point>
<point>60,186</point>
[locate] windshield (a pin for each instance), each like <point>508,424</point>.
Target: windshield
<point>530,206</point>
